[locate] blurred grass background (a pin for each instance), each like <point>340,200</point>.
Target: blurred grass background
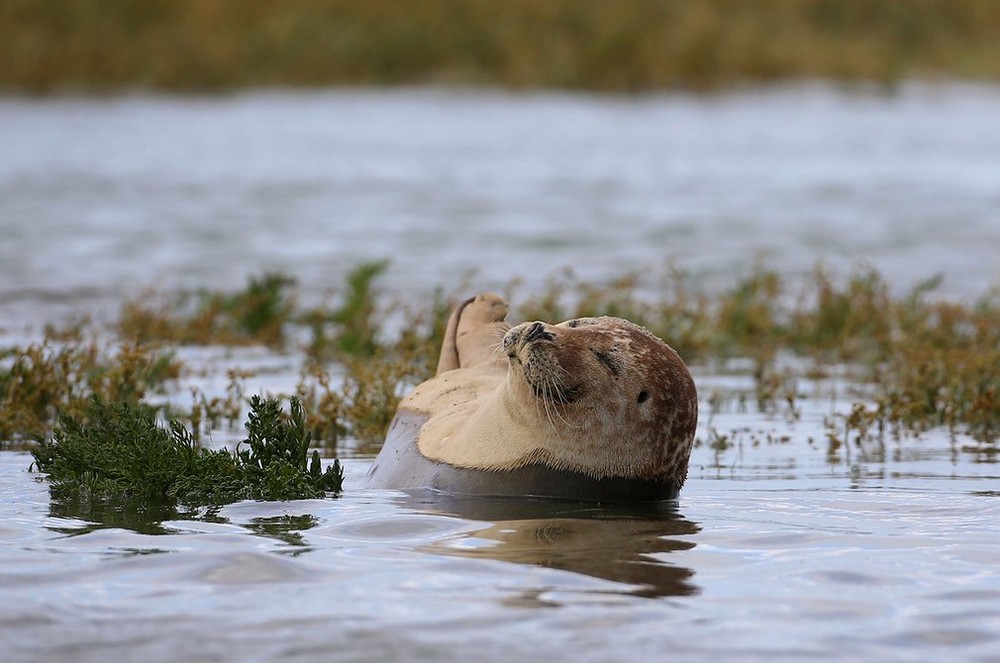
<point>92,46</point>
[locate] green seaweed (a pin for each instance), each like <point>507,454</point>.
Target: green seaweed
<point>118,453</point>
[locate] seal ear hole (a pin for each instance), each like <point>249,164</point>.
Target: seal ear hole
<point>643,396</point>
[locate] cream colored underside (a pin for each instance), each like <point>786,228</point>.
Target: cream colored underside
<point>470,423</point>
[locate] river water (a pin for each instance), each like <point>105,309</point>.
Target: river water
<point>779,547</point>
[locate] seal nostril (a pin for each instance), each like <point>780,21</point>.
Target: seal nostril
<point>534,332</point>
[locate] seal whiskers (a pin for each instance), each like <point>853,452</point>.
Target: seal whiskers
<point>550,402</point>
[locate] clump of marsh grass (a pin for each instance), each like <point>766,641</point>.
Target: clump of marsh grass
<point>262,314</point>
<point>422,333</point>
<point>944,371</point>
<point>361,404</point>
<point>372,393</point>
<point>325,404</point>
<point>351,329</point>
<point>117,452</point>
<point>371,370</point>
<point>50,377</point>
<point>257,315</point>
<point>212,412</point>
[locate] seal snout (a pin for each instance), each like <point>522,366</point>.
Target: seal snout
<point>523,335</point>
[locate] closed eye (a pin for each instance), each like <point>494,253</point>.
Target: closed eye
<point>609,362</point>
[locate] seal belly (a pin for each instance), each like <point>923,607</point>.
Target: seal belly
<point>401,466</point>
<point>399,463</point>
<point>542,481</point>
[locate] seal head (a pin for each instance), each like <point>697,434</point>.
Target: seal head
<point>612,399</point>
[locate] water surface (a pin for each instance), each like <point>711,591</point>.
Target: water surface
<point>100,198</point>
<point>774,552</point>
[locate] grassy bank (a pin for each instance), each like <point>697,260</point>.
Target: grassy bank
<point>211,45</point>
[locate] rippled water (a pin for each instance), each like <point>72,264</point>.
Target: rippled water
<point>779,548</point>
<point>774,554</point>
<point>101,197</point>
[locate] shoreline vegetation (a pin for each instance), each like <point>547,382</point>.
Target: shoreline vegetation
<point>913,362</point>
<point>87,401</point>
<point>95,46</point>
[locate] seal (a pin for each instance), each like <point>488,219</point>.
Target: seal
<point>592,408</point>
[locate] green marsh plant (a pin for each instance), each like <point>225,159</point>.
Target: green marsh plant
<point>352,329</point>
<point>116,452</point>
<point>257,315</point>
<point>52,377</point>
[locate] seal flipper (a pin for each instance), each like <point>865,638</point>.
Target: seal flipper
<point>449,347</point>
<point>473,334</point>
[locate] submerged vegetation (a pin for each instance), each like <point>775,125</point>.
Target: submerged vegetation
<point>94,45</point>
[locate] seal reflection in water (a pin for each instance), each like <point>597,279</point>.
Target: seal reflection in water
<point>628,544</point>
<point>592,408</point>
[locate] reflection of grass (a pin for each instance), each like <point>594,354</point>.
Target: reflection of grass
<point>626,45</point>
<point>285,528</point>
